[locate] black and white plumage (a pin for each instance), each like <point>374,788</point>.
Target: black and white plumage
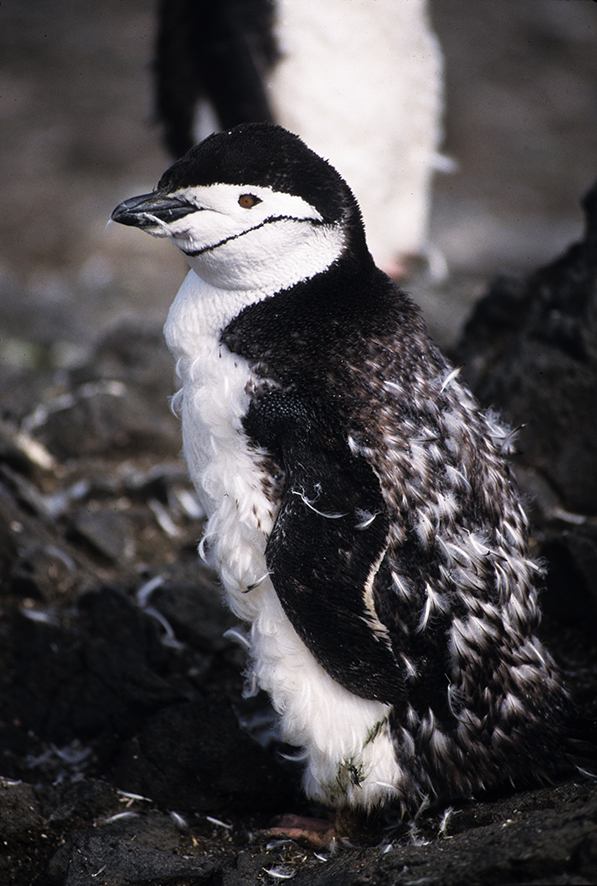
<point>361,512</point>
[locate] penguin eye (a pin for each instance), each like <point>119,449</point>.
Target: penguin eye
<point>248,201</point>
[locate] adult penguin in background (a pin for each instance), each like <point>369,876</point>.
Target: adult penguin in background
<point>359,80</point>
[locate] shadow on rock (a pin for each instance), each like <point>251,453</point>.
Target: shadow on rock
<point>530,350</point>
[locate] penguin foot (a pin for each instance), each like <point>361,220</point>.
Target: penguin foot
<point>312,833</point>
<point>347,826</point>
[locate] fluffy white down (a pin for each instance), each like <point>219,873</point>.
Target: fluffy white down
<point>347,749</point>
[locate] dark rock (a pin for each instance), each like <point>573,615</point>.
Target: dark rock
<point>194,757</point>
<point>131,850</point>
<point>195,612</point>
<point>534,837</point>
<point>136,353</point>
<point>10,451</point>
<point>530,349</point>
<point>26,492</point>
<point>115,404</point>
<point>107,418</point>
<point>94,679</point>
<point>19,809</point>
<point>8,545</point>
<point>31,820</point>
<point>544,837</point>
<point>570,592</point>
<point>105,530</point>
<point>36,559</point>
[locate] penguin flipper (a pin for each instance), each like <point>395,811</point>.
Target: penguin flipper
<point>326,547</point>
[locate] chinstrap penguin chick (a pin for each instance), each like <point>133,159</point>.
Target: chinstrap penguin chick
<point>361,512</point>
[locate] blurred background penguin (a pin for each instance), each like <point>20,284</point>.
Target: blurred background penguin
<point>359,80</point>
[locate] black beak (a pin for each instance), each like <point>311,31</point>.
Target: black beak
<point>142,211</point>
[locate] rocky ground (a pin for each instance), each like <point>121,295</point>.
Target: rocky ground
<point>127,753</point>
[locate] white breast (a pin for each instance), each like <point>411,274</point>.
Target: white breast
<point>226,472</point>
<point>343,736</point>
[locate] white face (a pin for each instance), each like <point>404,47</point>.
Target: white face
<point>248,237</point>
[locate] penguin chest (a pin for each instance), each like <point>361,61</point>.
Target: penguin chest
<point>228,473</point>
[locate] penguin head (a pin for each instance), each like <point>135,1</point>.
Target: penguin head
<point>251,204</point>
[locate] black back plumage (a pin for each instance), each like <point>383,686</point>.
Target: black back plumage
<point>400,548</point>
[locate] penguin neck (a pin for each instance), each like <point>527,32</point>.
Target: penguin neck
<point>215,292</point>
<point>270,257</point>
<point>200,311</point>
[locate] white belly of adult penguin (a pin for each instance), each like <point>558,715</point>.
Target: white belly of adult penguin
<point>361,511</point>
